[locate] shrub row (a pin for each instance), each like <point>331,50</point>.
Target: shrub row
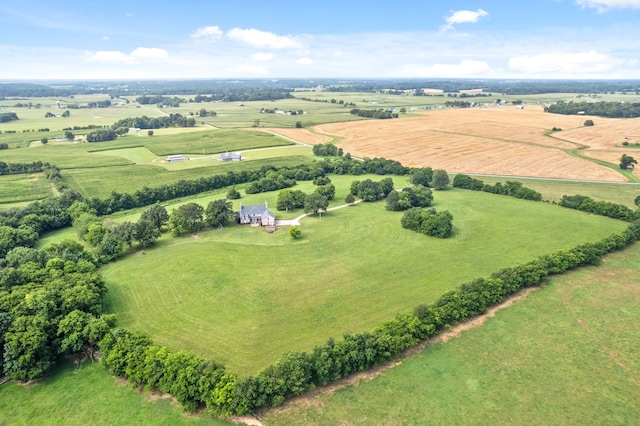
<point>602,208</point>
<point>195,382</point>
<point>510,188</point>
<point>20,168</point>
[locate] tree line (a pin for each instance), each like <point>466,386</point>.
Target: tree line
<point>602,208</point>
<point>373,113</point>
<point>20,168</point>
<point>601,109</point>
<point>510,188</point>
<point>144,122</point>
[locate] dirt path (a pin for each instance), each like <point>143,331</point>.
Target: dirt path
<point>313,398</point>
<point>296,221</point>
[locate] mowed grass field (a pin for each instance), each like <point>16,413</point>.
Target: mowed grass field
<point>244,297</point>
<point>566,354</point>
<point>90,395</point>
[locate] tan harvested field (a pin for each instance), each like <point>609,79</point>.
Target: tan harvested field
<point>614,156</point>
<point>503,140</point>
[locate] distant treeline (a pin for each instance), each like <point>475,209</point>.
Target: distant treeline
<point>250,89</point>
<point>144,122</point>
<point>507,87</point>
<point>373,113</point>
<point>601,109</point>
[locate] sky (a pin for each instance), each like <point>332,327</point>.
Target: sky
<point>272,39</point>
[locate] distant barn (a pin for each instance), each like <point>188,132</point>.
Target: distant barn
<point>231,156</point>
<point>172,158</point>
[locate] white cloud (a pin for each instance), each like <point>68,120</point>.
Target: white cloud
<point>304,61</point>
<point>105,38</point>
<point>117,57</point>
<point>462,17</point>
<point>261,56</point>
<point>590,62</point>
<point>257,38</point>
<point>211,32</point>
<point>604,5</point>
<point>466,68</point>
<point>149,53</point>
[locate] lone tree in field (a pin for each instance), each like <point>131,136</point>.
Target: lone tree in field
<point>588,123</point>
<point>627,161</point>
<point>294,232</point>
<point>440,180</point>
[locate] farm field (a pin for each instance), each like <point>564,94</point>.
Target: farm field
<point>90,395</point>
<point>23,187</point>
<point>101,181</point>
<point>566,354</point>
<point>500,140</point>
<point>341,277</point>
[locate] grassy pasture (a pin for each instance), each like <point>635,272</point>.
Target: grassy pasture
<point>23,187</point>
<point>567,354</point>
<point>89,395</point>
<point>244,297</point>
<point>32,119</point>
<point>101,181</point>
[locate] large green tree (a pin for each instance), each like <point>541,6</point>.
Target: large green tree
<point>440,180</point>
<point>146,232</point>
<point>157,215</point>
<point>218,212</point>
<point>315,202</point>
<point>187,218</point>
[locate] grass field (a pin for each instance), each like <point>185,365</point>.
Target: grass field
<point>567,354</point>
<point>244,297</point>
<point>23,187</point>
<point>90,395</point>
<point>101,181</point>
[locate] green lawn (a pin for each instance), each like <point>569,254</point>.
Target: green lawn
<point>90,395</point>
<point>567,354</point>
<point>244,297</point>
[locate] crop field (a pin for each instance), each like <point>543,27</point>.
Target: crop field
<point>23,187</point>
<point>503,141</point>
<point>353,269</point>
<point>101,181</point>
<point>567,354</point>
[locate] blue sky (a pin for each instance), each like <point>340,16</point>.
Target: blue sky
<point>140,39</point>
